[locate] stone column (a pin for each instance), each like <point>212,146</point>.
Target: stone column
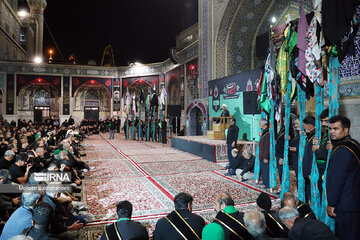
<point>37,8</point>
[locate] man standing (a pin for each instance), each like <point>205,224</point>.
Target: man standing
<point>228,223</point>
<point>225,113</point>
<point>118,124</point>
<point>125,228</point>
<point>163,131</point>
<point>320,147</point>
<point>343,180</point>
<point>309,126</point>
<point>294,146</point>
<point>279,149</point>
<point>112,126</point>
<point>180,223</point>
<point>71,121</point>
<point>231,138</point>
<point>264,151</point>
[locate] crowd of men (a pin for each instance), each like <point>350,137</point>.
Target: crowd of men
<point>27,148</point>
<point>343,175</point>
<point>148,130</point>
<point>295,220</point>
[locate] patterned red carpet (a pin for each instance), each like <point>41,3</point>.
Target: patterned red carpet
<point>149,175</point>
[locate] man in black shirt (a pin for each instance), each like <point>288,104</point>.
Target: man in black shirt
<point>246,169</point>
<point>7,160</point>
<point>231,139</point>
<point>163,131</point>
<point>309,126</point>
<point>242,164</point>
<point>17,172</point>
<point>71,121</point>
<point>320,148</point>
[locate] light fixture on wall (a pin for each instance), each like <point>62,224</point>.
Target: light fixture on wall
<point>273,19</point>
<point>22,13</point>
<point>37,60</point>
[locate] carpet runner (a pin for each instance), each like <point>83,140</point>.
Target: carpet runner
<point>149,175</point>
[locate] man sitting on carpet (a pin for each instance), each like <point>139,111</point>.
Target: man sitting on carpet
<point>273,222</point>
<point>180,223</point>
<point>228,223</point>
<point>242,164</point>
<point>256,225</point>
<point>301,228</point>
<point>290,200</point>
<point>125,228</point>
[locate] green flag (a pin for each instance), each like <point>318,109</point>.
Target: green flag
<point>264,100</point>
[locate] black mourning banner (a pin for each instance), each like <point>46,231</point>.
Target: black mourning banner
<point>10,93</point>
<point>66,95</point>
<point>116,95</point>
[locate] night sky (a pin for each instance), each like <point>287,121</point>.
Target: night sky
<point>138,30</point>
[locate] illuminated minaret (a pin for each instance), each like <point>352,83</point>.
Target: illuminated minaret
<point>37,8</point>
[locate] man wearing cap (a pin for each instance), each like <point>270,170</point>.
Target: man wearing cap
<point>228,223</point>
<point>274,227</point>
<point>7,160</point>
<point>22,217</point>
<point>41,218</point>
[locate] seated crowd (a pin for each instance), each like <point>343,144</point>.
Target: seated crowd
<point>27,148</point>
<point>295,220</point>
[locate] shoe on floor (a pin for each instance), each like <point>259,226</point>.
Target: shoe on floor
<point>76,190</point>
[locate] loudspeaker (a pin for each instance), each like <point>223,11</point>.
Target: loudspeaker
<point>173,56</point>
<point>250,104</point>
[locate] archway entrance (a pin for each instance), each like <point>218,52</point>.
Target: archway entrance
<point>41,102</point>
<point>37,102</point>
<point>92,101</point>
<point>41,114</point>
<point>135,89</point>
<point>91,113</point>
<point>196,125</point>
<point>196,119</point>
<point>91,105</point>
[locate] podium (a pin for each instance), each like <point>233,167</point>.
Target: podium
<point>217,131</point>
